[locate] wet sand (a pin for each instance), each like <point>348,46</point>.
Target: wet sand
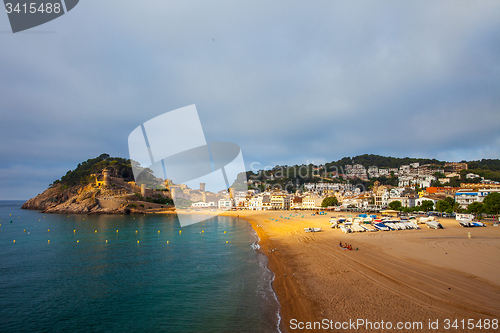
<point>395,276</point>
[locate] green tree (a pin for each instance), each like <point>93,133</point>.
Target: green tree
<point>492,203</point>
<point>329,201</point>
<point>442,205</point>
<point>395,205</point>
<point>476,208</point>
<point>427,205</point>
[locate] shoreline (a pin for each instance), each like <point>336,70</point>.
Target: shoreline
<point>291,302</point>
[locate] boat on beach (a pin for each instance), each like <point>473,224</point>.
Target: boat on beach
<point>471,224</point>
<point>312,229</point>
<point>434,225</point>
<point>357,228</point>
<point>345,229</point>
<point>369,227</point>
<point>381,226</point>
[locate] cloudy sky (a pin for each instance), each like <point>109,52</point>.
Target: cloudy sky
<point>289,81</point>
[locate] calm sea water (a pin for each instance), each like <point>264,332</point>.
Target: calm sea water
<point>79,282</point>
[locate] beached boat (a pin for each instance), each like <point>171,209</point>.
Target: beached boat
<point>312,229</point>
<point>333,220</point>
<point>413,225</point>
<point>345,230</point>
<point>465,223</point>
<point>471,224</point>
<point>357,228</point>
<point>369,227</point>
<point>434,225</point>
<point>381,226</point>
<point>423,220</point>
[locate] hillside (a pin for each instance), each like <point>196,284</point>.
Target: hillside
<point>77,192</point>
<point>293,177</point>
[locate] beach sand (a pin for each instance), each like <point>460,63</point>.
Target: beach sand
<point>395,276</point>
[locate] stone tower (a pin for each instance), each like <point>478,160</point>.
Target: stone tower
<point>105,177</point>
<point>143,190</point>
<point>202,187</point>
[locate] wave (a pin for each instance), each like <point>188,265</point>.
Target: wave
<point>267,280</point>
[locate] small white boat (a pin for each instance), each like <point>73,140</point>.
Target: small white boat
<point>345,230</point>
<point>402,226</point>
<point>391,225</point>
<point>434,225</point>
<point>423,220</point>
<point>357,228</point>
<point>369,227</point>
<point>333,220</point>
<point>312,229</point>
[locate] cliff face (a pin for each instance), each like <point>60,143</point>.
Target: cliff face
<point>119,198</point>
<point>52,196</point>
<point>78,200</point>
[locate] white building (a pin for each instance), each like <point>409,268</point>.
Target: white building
<point>312,202</point>
<point>225,204</point>
<point>200,204</point>
<point>464,197</point>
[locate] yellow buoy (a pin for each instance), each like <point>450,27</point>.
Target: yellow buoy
<point>167,242</point>
<point>48,230</point>
<point>19,217</point>
<point>227,242</point>
<point>180,231</point>
<point>158,231</point>
<point>83,219</point>
<point>11,215</point>
<point>116,230</point>
<point>202,231</point>
<point>106,240</point>
<point>224,232</point>
<point>24,230</point>
<point>78,241</point>
<point>48,242</point>
<point>14,241</point>
<point>137,242</point>
<point>74,231</point>
<point>95,231</point>
<point>39,220</point>
<point>136,231</point>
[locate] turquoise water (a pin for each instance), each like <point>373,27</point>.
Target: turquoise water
<point>79,282</point>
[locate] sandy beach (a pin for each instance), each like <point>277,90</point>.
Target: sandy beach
<point>397,276</point>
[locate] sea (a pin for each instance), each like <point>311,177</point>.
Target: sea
<point>131,273</point>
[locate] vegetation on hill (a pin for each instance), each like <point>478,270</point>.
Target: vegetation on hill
<point>368,160</point>
<point>119,167</point>
<point>291,178</point>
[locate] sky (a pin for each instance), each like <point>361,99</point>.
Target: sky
<point>290,82</point>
